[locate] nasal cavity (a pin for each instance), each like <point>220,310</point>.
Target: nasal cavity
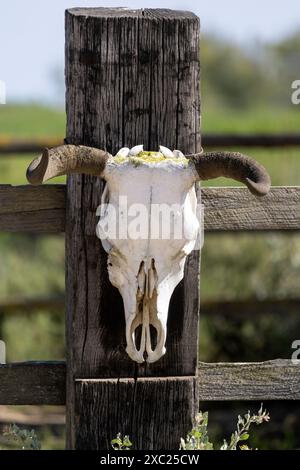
<point>138,335</point>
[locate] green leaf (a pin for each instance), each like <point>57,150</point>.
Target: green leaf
<point>244,436</point>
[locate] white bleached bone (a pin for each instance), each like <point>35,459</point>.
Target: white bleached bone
<point>146,264</point>
<point>147,269</point>
<point>166,152</point>
<point>136,150</point>
<point>123,152</point>
<point>178,154</point>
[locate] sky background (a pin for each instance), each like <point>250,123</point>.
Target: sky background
<point>32,35</point>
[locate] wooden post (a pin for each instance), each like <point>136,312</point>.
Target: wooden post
<point>132,78</point>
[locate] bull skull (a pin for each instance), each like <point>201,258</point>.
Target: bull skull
<point>145,267</point>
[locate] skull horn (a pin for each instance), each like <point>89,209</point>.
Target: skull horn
<point>233,165</point>
<point>65,160</point>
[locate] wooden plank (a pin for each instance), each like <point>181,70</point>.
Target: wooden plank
<point>33,383</point>
<point>251,140</point>
<point>235,209</point>
<point>32,208</point>
<point>42,209</point>
<point>43,383</point>
<point>145,117</point>
<point>32,416</point>
<point>271,380</point>
<point>137,411</point>
<point>132,77</point>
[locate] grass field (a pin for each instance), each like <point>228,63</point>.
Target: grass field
<point>38,122</point>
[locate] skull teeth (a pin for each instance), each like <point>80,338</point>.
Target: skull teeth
<point>166,152</point>
<point>178,154</point>
<point>123,152</point>
<point>136,150</point>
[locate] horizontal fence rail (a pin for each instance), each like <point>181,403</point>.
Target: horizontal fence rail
<point>44,383</point>
<point>249,307</point>
<point>32,208</point>
<point>229,308</point>
<point>23,147</point>
<point>250,140</point>
<point>33,383</point>
<point>42,209</point>
<point>32,416</point>
<point>27,305</point>
<point>272,380</point>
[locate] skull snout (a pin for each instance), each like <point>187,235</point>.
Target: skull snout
<point>145,332</point>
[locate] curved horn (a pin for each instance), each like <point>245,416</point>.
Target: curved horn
<point>232,165</point>
<point>65,160</point>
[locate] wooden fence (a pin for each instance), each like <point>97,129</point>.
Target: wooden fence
<point>42,209</point>
<point>135,86</point>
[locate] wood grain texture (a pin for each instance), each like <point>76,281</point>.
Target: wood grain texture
<point>43,383</point>
<point>138,411</point>
<point>43,209</point>
<point>132,77</point>
<point>33,383</point>
<point>235,209</point>
<point>153,72</point>
<point>32,208</point>
<point>271,380</point>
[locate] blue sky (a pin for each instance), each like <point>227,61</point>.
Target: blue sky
<point>32,34</point>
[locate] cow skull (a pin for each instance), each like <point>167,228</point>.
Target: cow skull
<point>144,262</point>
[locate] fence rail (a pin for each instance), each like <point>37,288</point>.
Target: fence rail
<point>32,416</point>
<point>227,308</point>
<point>23,147</point>
<point>27,305</point>
<point>42,209</point>
<point>44,383</point>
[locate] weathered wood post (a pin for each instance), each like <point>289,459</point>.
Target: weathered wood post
<point>132,78</point>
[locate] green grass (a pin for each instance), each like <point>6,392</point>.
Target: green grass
<point>282,163</point>
<point>256,120</point>
<point>13,169</point>
<point>30,121</point>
